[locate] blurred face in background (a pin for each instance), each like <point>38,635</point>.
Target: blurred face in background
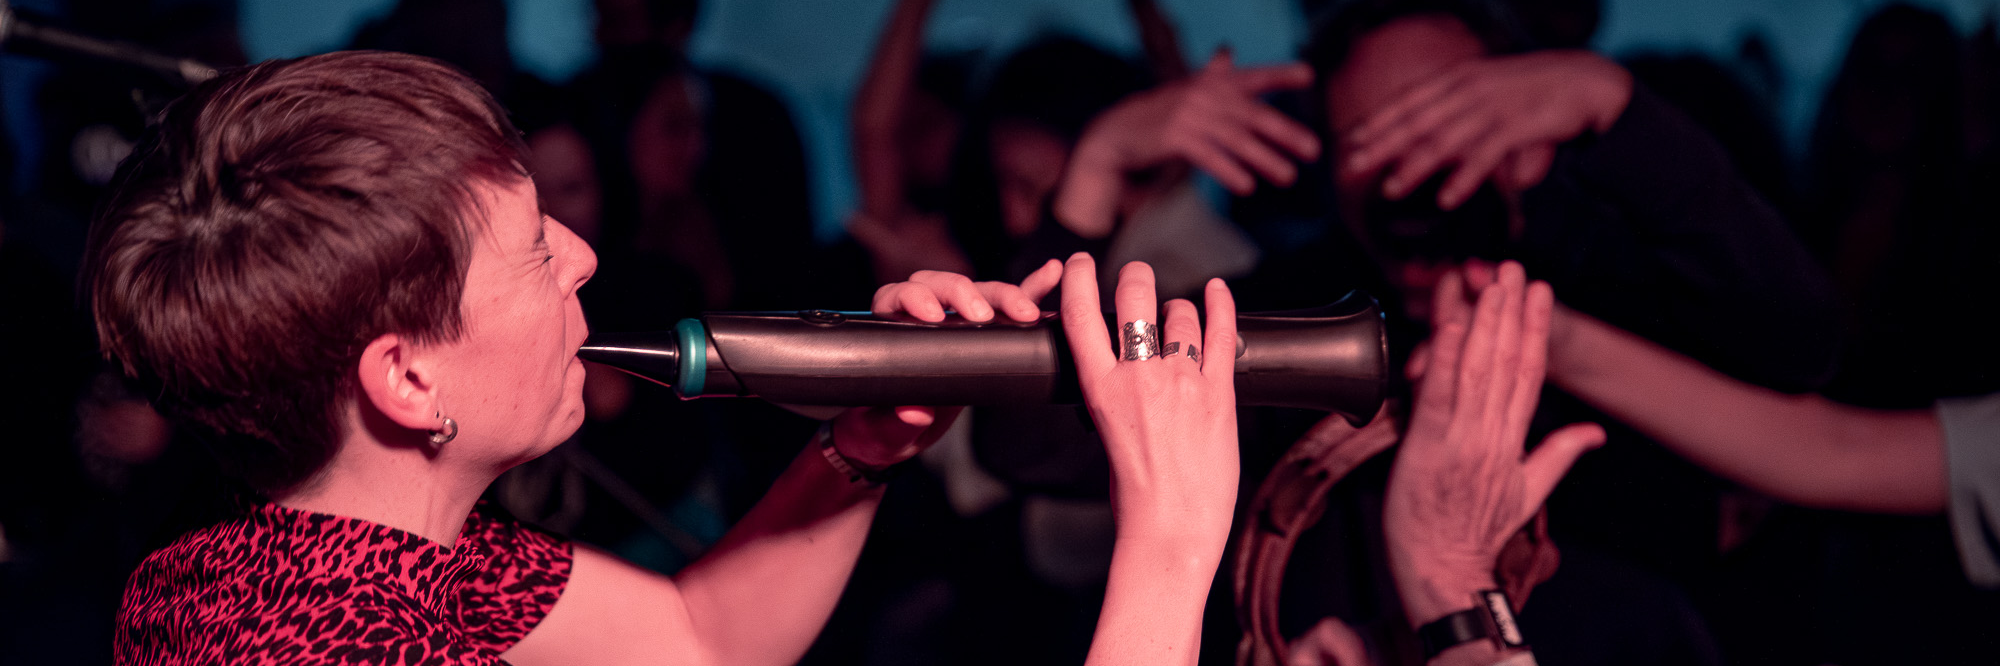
<point>666,140</point>
<point>1382,66</point>
<point>1028,161</point>
<point>566,177</point>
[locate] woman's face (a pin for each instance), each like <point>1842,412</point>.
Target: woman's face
<point>512,380</point>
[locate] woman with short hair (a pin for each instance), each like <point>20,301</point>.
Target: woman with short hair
<point>334,269</point>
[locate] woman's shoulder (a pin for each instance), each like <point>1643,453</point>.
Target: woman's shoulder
<point>185,601</point>
<point>526,570</point>
<point>296,586</point>
<point>205,557</point>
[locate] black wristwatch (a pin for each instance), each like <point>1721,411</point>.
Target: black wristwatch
<point>1491,617</point>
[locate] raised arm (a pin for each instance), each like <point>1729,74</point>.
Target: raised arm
<point>1169,429</point>
<point>1803,449</point>
<point>899,239</point>
<point>878,108</point>
<point>1160,41</point>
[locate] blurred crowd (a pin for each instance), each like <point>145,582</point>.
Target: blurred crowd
<point>1654,194</point>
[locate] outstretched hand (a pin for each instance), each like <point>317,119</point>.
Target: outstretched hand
<point>1462,483</point>
<point>1211,120</point>
<point>1169,422</point>
<point>1169,427</point>
<point>1493,118</point>
<point>875,438</point>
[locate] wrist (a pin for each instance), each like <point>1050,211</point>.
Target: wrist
<point>1487,633</point>
<point>1482,653</point>
<point>1155,524</point>
<point>1426,598</point>
<point>1185,549</point>
<point>857,471</point>
<point>1176,522</point>
<point>1191,516</point>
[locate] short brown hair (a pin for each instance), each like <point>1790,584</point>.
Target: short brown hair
<point>274,222</point>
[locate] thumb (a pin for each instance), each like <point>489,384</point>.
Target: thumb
<point>919,417</point>
<point>882,435</point>
<point>1223,60</point>
<point>941,420</point>
<point>1547,464</point>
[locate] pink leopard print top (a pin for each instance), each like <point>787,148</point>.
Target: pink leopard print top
<point>283,586</point>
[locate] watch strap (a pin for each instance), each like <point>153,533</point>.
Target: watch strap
<point>1491,617</point>
<point>1452,631</point>
<point>854,473</point>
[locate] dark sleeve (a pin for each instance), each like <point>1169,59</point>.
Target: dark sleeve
<point>1676,246</point>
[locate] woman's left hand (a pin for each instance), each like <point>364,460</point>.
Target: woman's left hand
<point>875,438</point>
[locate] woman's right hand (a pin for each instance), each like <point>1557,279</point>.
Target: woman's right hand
<point>1169,422</point>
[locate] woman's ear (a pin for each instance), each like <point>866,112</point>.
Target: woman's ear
<point>397,379</point>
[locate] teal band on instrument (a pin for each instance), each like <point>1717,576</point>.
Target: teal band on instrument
<point>692,338</point>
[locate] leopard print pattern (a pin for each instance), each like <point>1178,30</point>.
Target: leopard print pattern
<point>283,586</point>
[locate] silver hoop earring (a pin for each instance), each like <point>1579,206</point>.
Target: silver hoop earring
<point>449,432</point>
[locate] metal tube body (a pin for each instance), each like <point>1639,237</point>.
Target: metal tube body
<point>1331,358</point>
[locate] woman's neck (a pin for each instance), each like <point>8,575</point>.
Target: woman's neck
<point>400,487</point>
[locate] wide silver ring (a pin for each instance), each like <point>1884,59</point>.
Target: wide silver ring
<point>1138,340</point>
